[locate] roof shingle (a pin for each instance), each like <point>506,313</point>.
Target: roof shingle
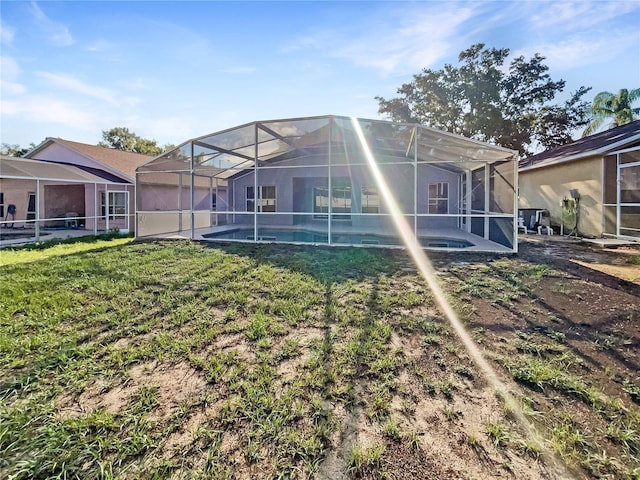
<point>125,162</point>
<point>593,144</point>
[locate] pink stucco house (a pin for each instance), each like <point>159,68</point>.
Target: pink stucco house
<point>65,184</point>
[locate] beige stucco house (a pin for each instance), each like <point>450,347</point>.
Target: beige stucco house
<point>65,184</point>
<point>602,171</point>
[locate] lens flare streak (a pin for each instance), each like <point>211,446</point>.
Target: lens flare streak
<point>425,267</point>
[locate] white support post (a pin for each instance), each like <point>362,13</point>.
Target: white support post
<point>135,205</point>
<point>95,209</point>
<point>255,184</point>
<point>179,201</point>
<point>193,196</point>
<point>468,199</point>
<point>618,196</point>
<point>416,137</point>
<point>515,206</point>
<point>106,206</point>
<point>126,206</point>
<point>211,201</point>
<point>329,182</point>
<point>37,210</point>
<point>487,203</point>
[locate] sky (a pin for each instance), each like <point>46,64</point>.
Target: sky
<point>172,71</point>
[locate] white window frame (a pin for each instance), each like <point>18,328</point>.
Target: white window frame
<point>367,194</point>
<point>434,202</point>
<point>343,214</point>
<point>265,203</point>
<point>116,209</point>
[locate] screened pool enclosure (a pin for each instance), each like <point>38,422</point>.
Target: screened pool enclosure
<point>330,180</point>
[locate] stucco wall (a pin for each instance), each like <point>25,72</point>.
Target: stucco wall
<point>16,192</point>
<point>62,199</point>
<point>399,177</point>
<point>546,187</point>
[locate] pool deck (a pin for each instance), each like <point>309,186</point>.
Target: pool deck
<point>479,244</point>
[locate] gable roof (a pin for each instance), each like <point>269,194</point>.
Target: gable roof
<point>597,144</point>
<point>23,168</point>
<point>115,161</point>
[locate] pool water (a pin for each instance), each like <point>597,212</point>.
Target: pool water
<point>307,236</point>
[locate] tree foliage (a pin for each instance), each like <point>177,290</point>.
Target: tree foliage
<point>617,108</point>
<point>482,99</point>
<point>15,150</point>
<point>121,138</point>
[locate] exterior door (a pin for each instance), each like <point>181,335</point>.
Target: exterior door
<point>31,206</point>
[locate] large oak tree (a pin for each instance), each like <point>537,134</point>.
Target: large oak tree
<point>486,100</point>
<point>121,138</point>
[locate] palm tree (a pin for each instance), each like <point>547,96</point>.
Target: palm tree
<point>618,107</point>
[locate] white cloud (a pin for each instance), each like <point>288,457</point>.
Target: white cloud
<point>579,51</point>
<point>579,15</point>
<point>99,46</point>
<point>136,84</point>
<point>6,34</point>
<point>57,32</point>
<point>10,71</point>
<point>51,110</point>
<point>68,82</point>
<point>174,129</point>
<point>402,42</point>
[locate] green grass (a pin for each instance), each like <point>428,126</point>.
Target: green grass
<point>82,312</point>
<point>497,432</point>
<point>159,359</point>
<point>366,462</point>
<point>58,248</point>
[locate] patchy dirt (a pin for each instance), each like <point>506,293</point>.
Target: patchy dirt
<point>174,384</point>
<point>559,323</point>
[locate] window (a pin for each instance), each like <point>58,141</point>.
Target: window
<point>340,202</point>
<point>370,200</point>
<point>439,197</point>
<point>320,202</point>
<point>250,199</point>
<point>214,202</point>
<point>1,206</point>
<point>117,204</point>
<point>266,199</point>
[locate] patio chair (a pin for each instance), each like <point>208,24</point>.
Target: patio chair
<point>11,210</point>
<point>521,225</point>
<point>544,222</point>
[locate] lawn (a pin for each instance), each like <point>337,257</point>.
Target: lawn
<point>180,360</point>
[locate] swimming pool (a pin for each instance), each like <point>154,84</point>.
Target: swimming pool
<point>308,236</point>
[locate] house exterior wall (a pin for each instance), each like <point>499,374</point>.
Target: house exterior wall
<point>60,154</point>
<point>16,192</point>
<point>545,188</point>
<point>399,177</point>
<point>62,199</point>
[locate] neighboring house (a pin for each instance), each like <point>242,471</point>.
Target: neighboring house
<point>36,195</point>
<point>60,179</point>
<point>311,180</point>
<point>603,170</point>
